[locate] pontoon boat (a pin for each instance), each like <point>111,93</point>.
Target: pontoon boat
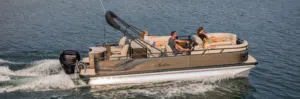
<point>133,60</point>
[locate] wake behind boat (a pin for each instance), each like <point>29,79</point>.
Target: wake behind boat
<point>134,60</point>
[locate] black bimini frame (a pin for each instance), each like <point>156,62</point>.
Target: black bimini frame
<point>111,19</point>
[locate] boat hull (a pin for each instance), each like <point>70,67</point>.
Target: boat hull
<point>195,74</point>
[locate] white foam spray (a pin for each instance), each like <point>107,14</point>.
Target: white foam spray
<point>40,68</point>
<point>40,75</point>
<point>4,73</point>
<point>4,70</point>
<point>4,61</point>
<point>4,78</point>
<point>42,83</point>
<point>9,62</point>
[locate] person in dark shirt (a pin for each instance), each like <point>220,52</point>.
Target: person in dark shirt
<point>205,38</point>
<point>201,34</point>
<point>172,43</point>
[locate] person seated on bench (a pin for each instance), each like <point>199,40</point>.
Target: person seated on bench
<point>176,49</point>
<point>146,38</point>
<point>204,37</point>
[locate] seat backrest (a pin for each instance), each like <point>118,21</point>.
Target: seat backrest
<point>133,44</point>
<point>122,41</point>
<point>197,39</point>
<point>124,50</point>
<point>169,50</point>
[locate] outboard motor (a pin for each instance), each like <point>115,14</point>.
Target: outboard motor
<point>69,59</point>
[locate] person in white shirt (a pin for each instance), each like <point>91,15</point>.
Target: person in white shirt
<point>147,38</point>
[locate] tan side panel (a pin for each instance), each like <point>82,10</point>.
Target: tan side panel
<point>155,64</point>
<point>214,59</point>
<point>103,64</point>
<point>109,63</point>
<point>163,63</point>
<point>176,62</point>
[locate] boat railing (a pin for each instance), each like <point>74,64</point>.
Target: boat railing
<point>165,54</point>
<point>221,49</point>
<point>210,49</point>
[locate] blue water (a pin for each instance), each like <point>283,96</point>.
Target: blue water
<point>34,32</point>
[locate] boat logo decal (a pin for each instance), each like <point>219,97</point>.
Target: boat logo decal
<point>162,64</point>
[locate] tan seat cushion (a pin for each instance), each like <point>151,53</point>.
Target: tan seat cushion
<point>122,41</point>
<point>123,54</point>
<point>233,48</point>
<point>160,38</point>
<point>231,39</point>
<point>169,50</point>
<point>117,49</point>
<point>196,39</point>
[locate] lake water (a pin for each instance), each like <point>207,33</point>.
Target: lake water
<point>34,32</point>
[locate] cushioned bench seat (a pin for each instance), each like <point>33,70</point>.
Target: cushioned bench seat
<point>159,38</point>
<point>231,39</point>
<point>232,48</point>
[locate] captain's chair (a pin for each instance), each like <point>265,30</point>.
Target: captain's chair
<point>123,54</point>
<point>117,49</point>
<point>168,50</point>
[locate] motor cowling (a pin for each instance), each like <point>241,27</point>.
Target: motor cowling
<point>68,60</point>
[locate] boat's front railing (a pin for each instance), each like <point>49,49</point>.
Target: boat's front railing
<point>221,49</point>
